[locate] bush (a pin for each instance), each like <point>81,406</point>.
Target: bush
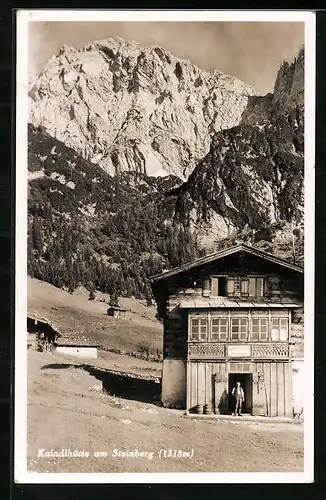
<point>144,348</point>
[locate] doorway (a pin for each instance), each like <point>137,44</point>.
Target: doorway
<point>245,380</point>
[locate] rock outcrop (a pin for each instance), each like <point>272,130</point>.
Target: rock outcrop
<point>253,175</point>
<point>130,108</point>
<point>288,95</point>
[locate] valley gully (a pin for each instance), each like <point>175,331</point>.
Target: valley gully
<point>116,453</point>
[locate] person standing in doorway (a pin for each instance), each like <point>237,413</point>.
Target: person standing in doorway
<point>238,393</point>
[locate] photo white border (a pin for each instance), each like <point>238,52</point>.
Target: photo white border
<point>21,474</point>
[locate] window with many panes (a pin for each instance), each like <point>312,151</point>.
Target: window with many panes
<point>219,329</point>
<point>259,329</point>
<point>239,328</point>
<point>199,328</point>
<point>280,329</point>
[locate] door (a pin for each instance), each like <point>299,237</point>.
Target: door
<point>245,380</point>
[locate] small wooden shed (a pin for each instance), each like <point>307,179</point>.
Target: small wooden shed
<point>41,334</point>
<point>116,312</point>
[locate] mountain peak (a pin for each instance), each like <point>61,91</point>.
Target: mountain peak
<point>135,108</point>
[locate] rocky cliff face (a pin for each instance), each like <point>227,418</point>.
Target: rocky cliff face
<point>288,95</point>
<point>252,176</point>
<point>129,108</point>
<point>289,85</point>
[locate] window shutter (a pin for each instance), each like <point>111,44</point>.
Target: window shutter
<point>244,287</point>
<point>267,286</point>
<point>207,287</point>
<point>230,286</point>
<point>260,287</point>
<point>252,287</point>
<point>214,287</point>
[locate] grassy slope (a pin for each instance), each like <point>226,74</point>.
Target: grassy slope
<point>74,312</point>
<point>67,410</point>
<point>69,401</point>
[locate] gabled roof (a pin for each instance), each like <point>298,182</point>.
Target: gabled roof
<point>65,336</point>
<point>117,308</point>
<point>41,319</point>
<point>225,253</point>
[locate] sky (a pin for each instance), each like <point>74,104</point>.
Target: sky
<point>251,51</point>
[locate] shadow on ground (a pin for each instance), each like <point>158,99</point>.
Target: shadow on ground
<point>60,366</point>
<point>119,384</point>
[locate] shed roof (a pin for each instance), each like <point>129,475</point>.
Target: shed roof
<point>36,317</point>
<point>66,336</point>
<point>225,253</point>
<point>69,341</point>
<point>117,308</point>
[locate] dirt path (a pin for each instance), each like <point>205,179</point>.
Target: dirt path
<point>67,410</point>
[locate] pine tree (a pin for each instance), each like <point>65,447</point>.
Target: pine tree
<point>148,294</point>
<point>114,299</point>
<point>92,292</point>
<point>37,236</point>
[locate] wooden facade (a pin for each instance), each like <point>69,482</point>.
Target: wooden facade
<point>41,336</point>
<point>232,316</point>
